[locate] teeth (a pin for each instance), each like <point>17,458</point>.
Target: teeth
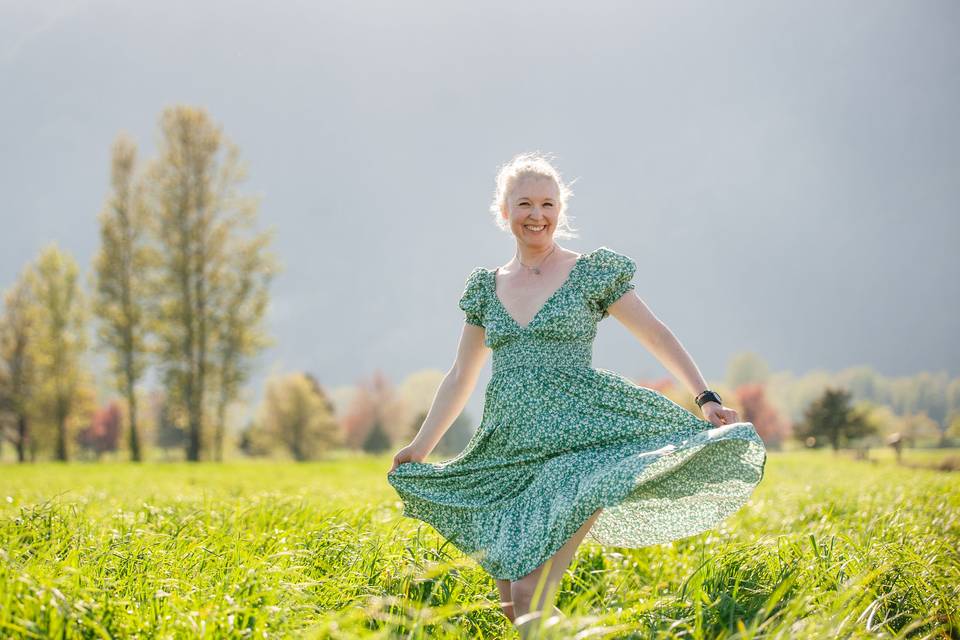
<point>535,228</point>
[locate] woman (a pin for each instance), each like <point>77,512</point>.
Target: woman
<point>564,449</point>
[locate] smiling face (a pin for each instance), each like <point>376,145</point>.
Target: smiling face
<point>532,207</point>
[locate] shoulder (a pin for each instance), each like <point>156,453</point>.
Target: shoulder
<point>477,277</point>
<point>607,276</point>
<point>604,260</point>
<point>476,283</point>
<point>474,296</point>
<point>604,254</point>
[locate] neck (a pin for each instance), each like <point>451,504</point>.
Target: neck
<point>533,256</point>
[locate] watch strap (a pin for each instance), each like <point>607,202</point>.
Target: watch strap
<point>708,396</point>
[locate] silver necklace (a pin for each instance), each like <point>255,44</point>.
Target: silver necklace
<point>536,269</point>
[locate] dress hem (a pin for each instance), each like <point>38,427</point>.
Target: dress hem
<point>754,456</point>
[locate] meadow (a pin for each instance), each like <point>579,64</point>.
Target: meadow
<point>827,547</point>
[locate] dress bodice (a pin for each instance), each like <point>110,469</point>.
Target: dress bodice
<point>562,331</point>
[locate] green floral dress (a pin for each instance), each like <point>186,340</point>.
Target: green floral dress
<point>560,438</point>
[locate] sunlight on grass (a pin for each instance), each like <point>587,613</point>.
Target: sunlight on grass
<point>827,547</point>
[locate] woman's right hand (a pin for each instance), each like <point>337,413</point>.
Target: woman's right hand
<point>410,453</point>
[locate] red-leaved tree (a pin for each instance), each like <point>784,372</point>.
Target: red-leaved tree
<point>771,425</point>
<point>103,432</point>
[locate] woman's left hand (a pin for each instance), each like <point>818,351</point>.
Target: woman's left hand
<point>719,415</point>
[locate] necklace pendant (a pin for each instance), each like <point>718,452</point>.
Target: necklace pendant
<point>536,270</point>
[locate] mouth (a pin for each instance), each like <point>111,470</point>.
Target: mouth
<point>535,228</point>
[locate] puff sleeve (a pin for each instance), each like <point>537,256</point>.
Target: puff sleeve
<point>609,277</point>
<point>473,300</point>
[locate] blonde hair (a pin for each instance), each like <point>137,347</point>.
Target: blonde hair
<point>537,164</point>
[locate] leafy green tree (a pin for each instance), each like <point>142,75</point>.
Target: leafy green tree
<point>298,417</point>
<point>61,340</point>
<point>17,365</point>
<point>196,214</point>
<point>831,418</point>
<point>377,440</point>
<point>919,426</point>
<point>120,287</point>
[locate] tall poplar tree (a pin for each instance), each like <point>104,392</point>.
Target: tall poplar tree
<point>195,212</point>
<point>120,289</point>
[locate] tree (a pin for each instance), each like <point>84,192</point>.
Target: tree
<point>61,340</point>
<point>376,404</point>
<point>17,335</point>
<point>195,213</point>
<point>953,429</point>
<point>121,268</point>
<point>298,416</point>
<point>103,432</point>
<point>255,441</point>
<point>771,426</point>
<point>953,407</point>
<point>919,426</point>
<point>377,440</point>
<point>240,333</point>
<point>885,422</point>
<point>357,419</point>
<point>831,418</point>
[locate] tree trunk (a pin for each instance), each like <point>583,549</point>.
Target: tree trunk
<point>219,429</point>
<point>135,453</point>
<point>22,438</point>
<point>62,437</point>
<point>193,447</point>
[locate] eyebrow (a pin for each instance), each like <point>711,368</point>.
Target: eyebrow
<point>529,198</point>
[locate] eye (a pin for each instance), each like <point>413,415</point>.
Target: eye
<point>548,204</point>
<point>523,204</point>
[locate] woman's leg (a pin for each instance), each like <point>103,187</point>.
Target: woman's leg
<point>542,582</point>
<point>506,598</point>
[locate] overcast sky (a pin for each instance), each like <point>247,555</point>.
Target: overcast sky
<point>786,175</point>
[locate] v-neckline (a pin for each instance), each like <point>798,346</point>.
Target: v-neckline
<point>546,303</point>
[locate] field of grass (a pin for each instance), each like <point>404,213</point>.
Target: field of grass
<point>827,547</point>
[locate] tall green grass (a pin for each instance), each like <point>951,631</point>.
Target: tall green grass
<point>827,547</point>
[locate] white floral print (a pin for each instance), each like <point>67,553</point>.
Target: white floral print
<point>560,438</point>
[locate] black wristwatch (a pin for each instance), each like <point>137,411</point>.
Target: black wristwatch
<point>708,396</point>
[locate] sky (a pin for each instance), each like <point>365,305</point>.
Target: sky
<point>786,175</point>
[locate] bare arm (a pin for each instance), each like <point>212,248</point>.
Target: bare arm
<point>451,396</point>
<point>657,338</point>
